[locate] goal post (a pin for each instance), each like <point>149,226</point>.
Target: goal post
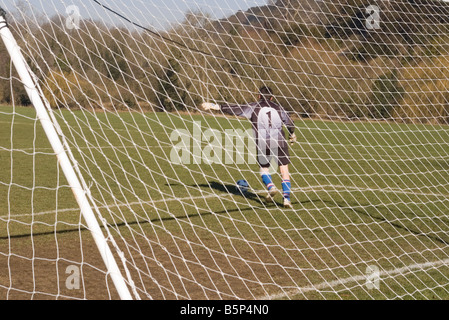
<point>63,159</point>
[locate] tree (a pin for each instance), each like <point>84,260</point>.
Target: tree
<point>170,94</point>
<point>386,95</point>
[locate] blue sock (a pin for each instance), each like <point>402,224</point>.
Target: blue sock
<point>266,178</point>
<point>287,189</point>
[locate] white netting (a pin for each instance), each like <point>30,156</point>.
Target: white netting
<point>365,82</point>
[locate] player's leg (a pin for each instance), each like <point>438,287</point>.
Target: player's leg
<point>264,163</point>
<point>268,181</point>
<point>266,178</point>
<point>284,160</point>
<point>286,185</point>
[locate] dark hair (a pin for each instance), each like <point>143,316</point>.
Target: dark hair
<point>266,93</point>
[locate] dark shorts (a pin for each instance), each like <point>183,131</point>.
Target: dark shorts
<point>279,153</point>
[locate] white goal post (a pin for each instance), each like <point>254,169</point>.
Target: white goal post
<point>129,168</point>
<point>59,149</point>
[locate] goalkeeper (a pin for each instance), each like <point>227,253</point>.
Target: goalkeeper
<point>268,120</point>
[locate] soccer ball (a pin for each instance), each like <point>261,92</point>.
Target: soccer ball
<point>242,186</point>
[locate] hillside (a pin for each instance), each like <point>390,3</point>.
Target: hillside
<point>322,58</point>
<point>400,20</point>
<point>339,65</point>
<point>273,17</point>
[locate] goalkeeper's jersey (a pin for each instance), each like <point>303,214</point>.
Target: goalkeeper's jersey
<point>267,118</point>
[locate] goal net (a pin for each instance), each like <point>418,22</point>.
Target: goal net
<point>114,183</point>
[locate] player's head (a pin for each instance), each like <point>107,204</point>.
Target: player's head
<point>265,93</point>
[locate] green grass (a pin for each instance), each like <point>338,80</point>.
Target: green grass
<point>365,194</point>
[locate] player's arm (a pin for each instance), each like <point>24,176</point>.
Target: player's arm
<point>235,110</point>
<point>290,125</point>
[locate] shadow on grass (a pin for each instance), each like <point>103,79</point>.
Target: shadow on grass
<point>231,189</point>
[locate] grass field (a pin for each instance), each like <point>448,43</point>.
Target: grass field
<point>365,194</point>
